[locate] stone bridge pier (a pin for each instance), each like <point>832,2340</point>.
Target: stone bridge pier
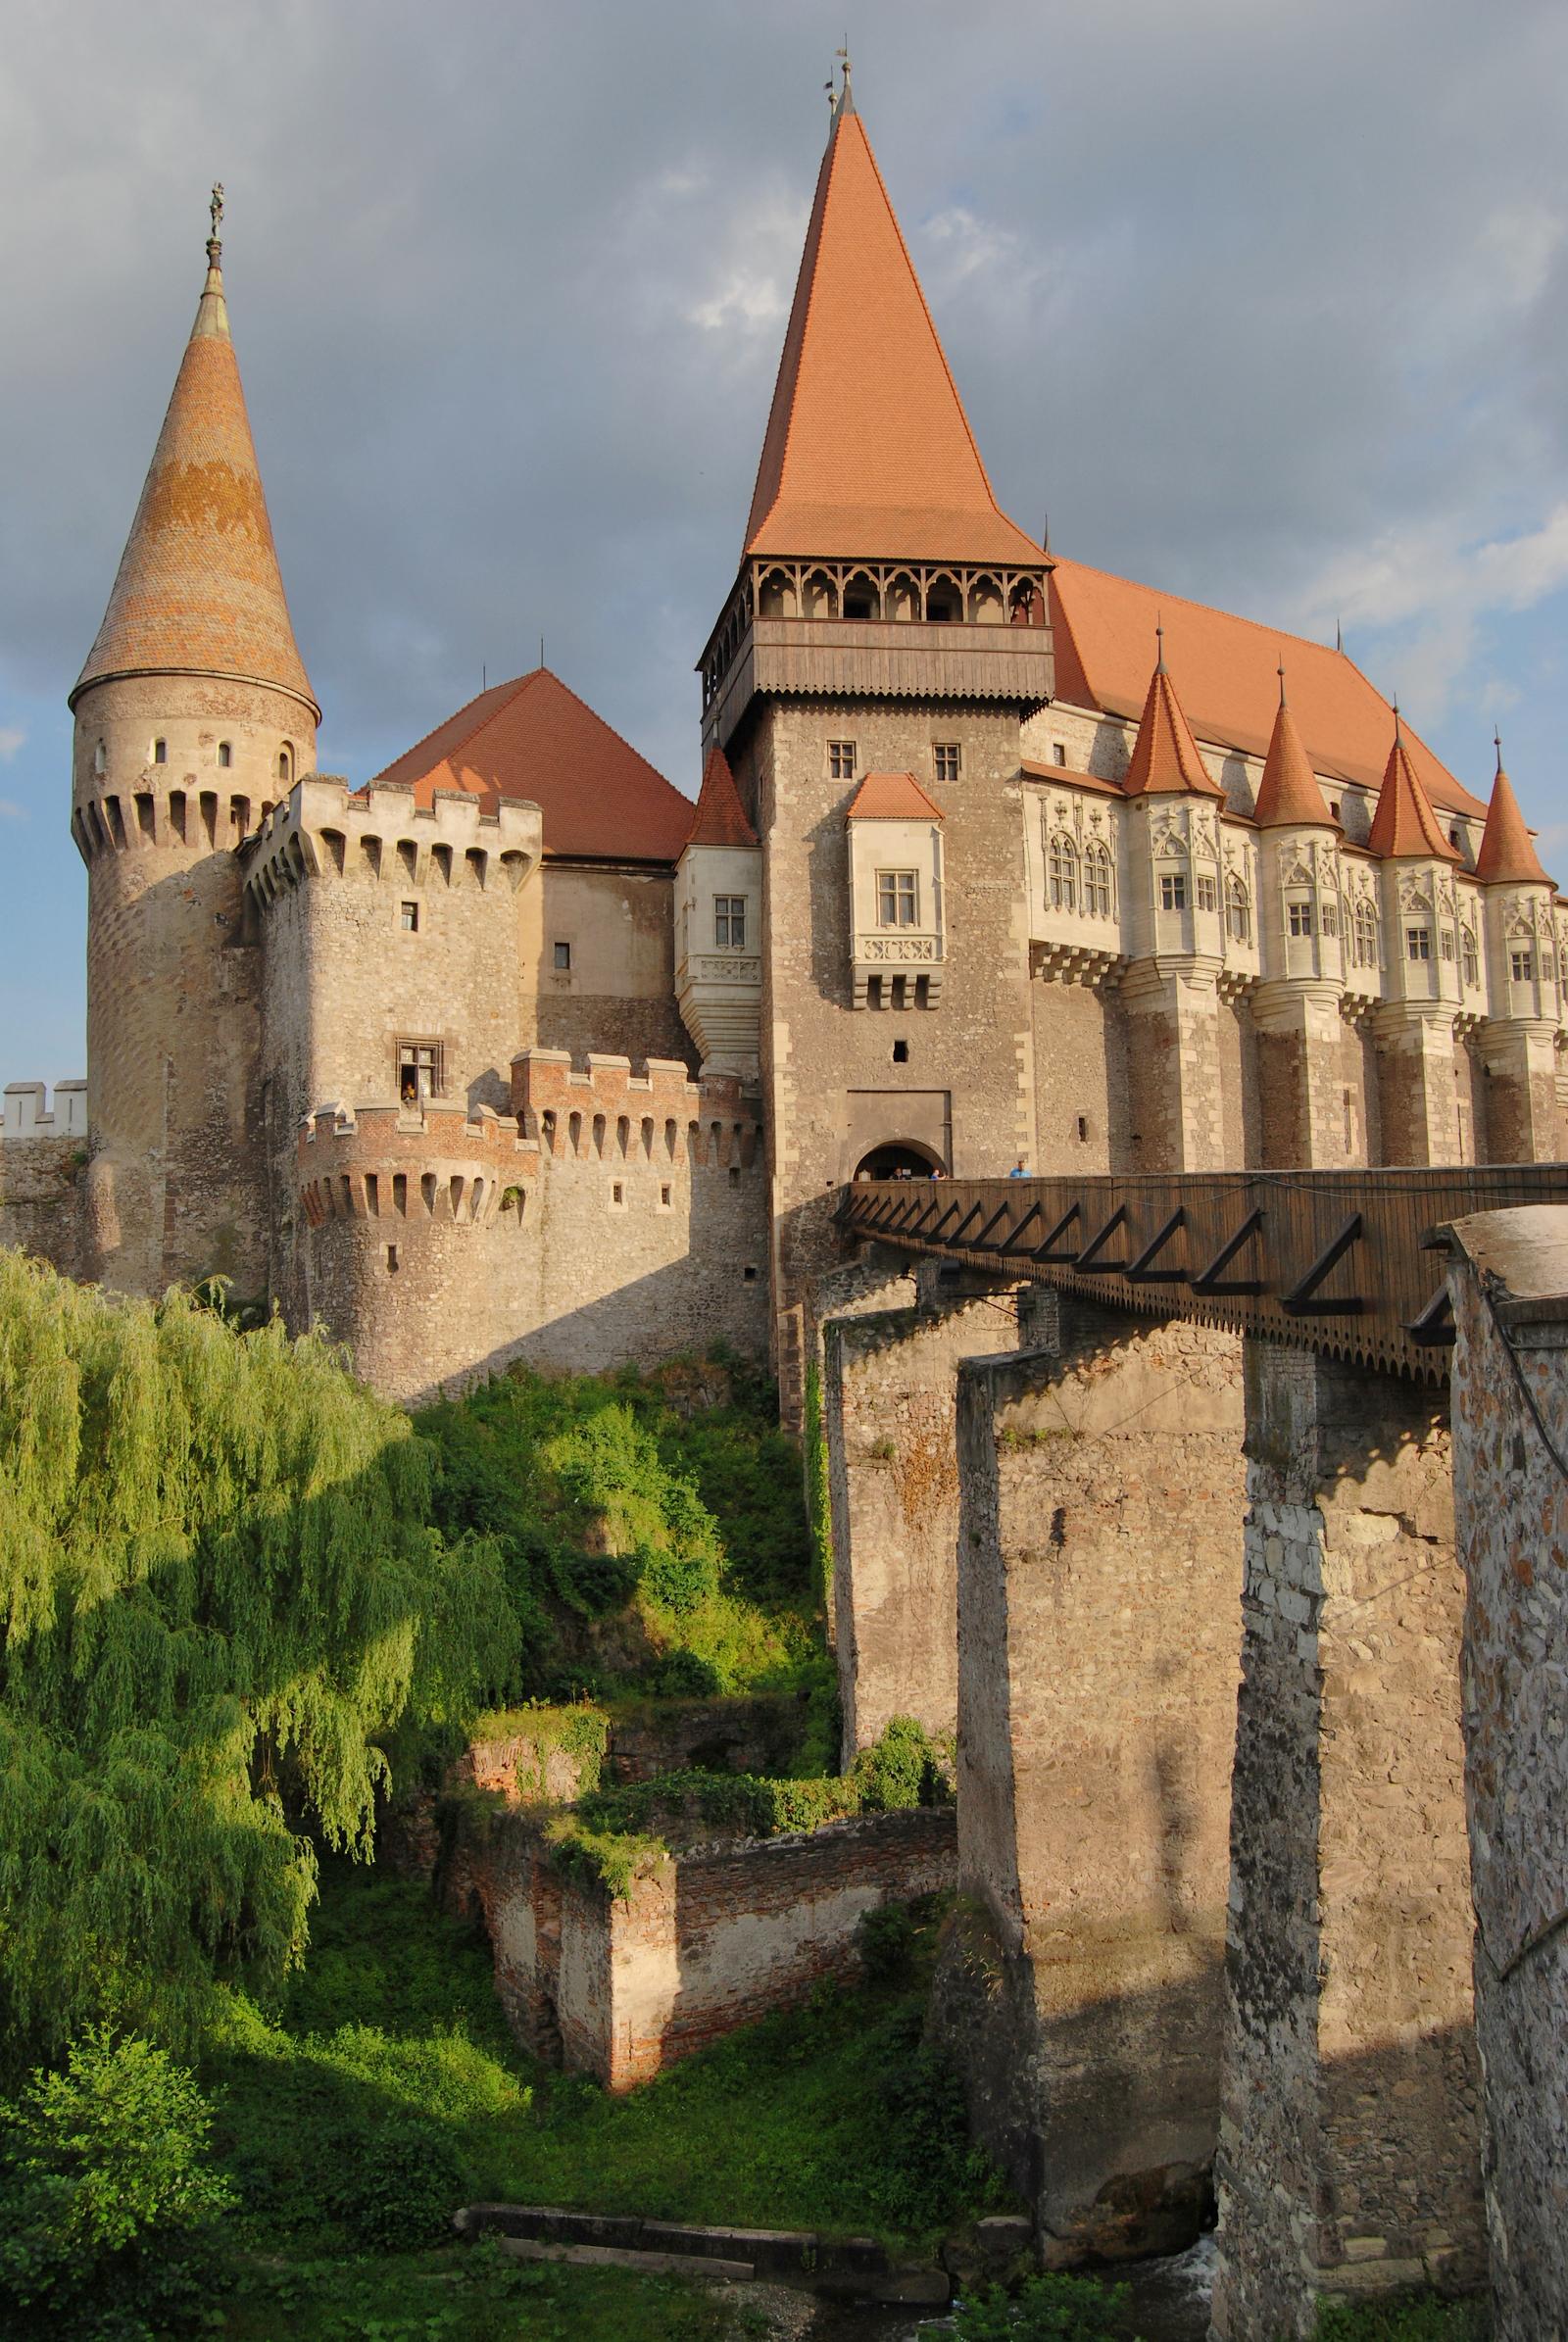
<point>1349,2154</point>
<point>1100,1566</point>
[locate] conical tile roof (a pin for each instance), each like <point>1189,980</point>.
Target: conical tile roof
<point>868,453</point>
<point>1166,761</point>
<point>1507,849</point>
<point>720,817</point>
<point>198,591</point>
<point>1288,795</point>
<point>1404,823</point>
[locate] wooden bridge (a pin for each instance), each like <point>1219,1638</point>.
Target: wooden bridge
<point>1339,1261</point>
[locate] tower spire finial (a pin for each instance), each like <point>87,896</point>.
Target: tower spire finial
<point>1282,678</point>
<point>843,101</point>
<point>1398,734</point>
<point>214,211</point>
<point>1496,742</point>
<point>1159,641</point>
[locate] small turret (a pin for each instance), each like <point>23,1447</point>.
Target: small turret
<point>193,717</point>
<point>1295,1009</point>
<point>1424,902</point>
<point>718,905</point>
<point>1524,983</point>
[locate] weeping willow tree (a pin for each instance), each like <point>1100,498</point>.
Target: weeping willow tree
<point>219,1587</point>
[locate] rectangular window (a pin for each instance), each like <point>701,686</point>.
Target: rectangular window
<point>1300,918</point>
<point>1208,893</point>
<point>947,756</point>
<point>419,1071</point>
<point>896,897</point>
<point>1445,940</point>
<point>411,919</point>
<point>1418,943</point>
<point>729,922</point>
<point>1331,919</point>
<point>1173,890</point>
<point>841,759</point>
<point>1524,967</point>
<point>563,955</point>
<point>1059,752</point>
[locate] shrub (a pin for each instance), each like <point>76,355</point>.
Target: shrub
<point>395,2184</point>
<point>109,2192</point>
<point>1421,2318</point>
<point>930,2163</point>
<point>1053,2308</point>
<point>886,1939</point>
<point>901,1769</point>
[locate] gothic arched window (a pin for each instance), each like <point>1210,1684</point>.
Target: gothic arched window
<point>1238,910</point>
<point>1063,873</point>
<point>1366,933</point>
<point>1470,957</point>
<point>1097,880</point>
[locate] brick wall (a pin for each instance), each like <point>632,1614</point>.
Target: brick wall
<point>715,1939</point>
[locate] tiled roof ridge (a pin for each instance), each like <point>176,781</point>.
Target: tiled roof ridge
<point>502,695</point>
<point>853,811</point>
<point>718,811</point>
<point>1210,610</point>
<point>1401,792</point>
<point>1507,849</point>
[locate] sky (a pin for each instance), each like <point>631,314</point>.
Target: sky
<point>1262,304</point>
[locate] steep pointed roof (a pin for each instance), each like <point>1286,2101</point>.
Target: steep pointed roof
<point>868,453</point>
<point>198,590</point>
<point>535,740</point>
<point>1166,761</point>
<point>892,796</point>
<point>720,817</point>
<point>1404,822</point>
<point>1507,849</point>
<point>1288,795</point>
<point>1100,627</point>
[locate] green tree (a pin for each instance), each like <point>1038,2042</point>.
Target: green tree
<point>219,1591</point>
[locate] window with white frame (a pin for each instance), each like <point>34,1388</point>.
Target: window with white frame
<point>1062,879</point>
<point>1298,916</point>
<point>419,1071</point>
<point>841,759</point>
<point>897,898</point>
<point>1173,890</point>
<point>729,922</point>
<point>1367,949</point>
<point>1469,955</point>
<point>1098,894</point>
<point>1206,893</point>
<point>1523,961</point>
<point>1418,943</point>
<point>1329,916</point>
<point>947,757</point>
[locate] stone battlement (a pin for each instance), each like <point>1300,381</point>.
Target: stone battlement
<point>607,1111</point>
<point>27,1112</point>
<point>383,1162</point>
<point>324,829</point>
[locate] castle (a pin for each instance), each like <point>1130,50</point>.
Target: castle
<point>996,859</point>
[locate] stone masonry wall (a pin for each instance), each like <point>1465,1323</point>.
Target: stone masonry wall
<point>42,1156</point>
<point>1509,1279</point>
<point>1348,2157</point>
<point>714,1939</point>
<point>890,1401</point>
<point>1100,1562</point>
<point>622,1217</point>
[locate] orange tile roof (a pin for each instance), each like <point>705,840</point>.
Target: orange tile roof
<point>1288,795</point>
<point>892,796</point>
<point>868,454</point>
<point>720,817</point>
<point>198,589</point>
<point>1166,761</point>
<point>1230,686</point>
<point>1070,779</point>
<point>535,740</point>
<point>1507,849</point>
<point>1404,822</point>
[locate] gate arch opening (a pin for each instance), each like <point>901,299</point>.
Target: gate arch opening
<point>899,1159</point>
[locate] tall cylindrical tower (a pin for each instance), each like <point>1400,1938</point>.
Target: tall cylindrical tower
<point>193,717</point>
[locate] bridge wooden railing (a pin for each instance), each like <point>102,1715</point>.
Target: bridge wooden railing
<point>1335,1260</point>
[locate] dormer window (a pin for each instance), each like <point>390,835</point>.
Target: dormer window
<point>897,898</point>
<point>225,756</point>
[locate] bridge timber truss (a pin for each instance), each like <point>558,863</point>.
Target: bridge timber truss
<point>1339,1261</point>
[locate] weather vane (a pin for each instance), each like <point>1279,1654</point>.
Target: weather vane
<point>216,208</point>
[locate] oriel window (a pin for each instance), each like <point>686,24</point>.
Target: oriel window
<point>729,922</point>
<point>897,898</point>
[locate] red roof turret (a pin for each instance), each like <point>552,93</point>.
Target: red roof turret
<point>1166,761</point>
<point>720,817</point>
<point>1507,849</point>
<point>1404,824</point>
<point>1288,795</point>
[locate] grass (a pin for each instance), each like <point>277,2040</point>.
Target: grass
<point>828,2116</point>
<point>468,2296</point>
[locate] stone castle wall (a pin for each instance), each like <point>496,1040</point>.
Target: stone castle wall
<point>613,1217</point>
<point>43,1153</point>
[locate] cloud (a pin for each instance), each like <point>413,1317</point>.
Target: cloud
<point>12,736</point>
<point>10,811</point>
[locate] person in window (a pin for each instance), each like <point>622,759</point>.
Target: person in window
<point>1018,1171</point>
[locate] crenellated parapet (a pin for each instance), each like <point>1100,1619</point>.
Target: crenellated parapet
<point>382,1163</point>
<point>382,836</point>
<point>27,1113</point>
<point>608,1113</point>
